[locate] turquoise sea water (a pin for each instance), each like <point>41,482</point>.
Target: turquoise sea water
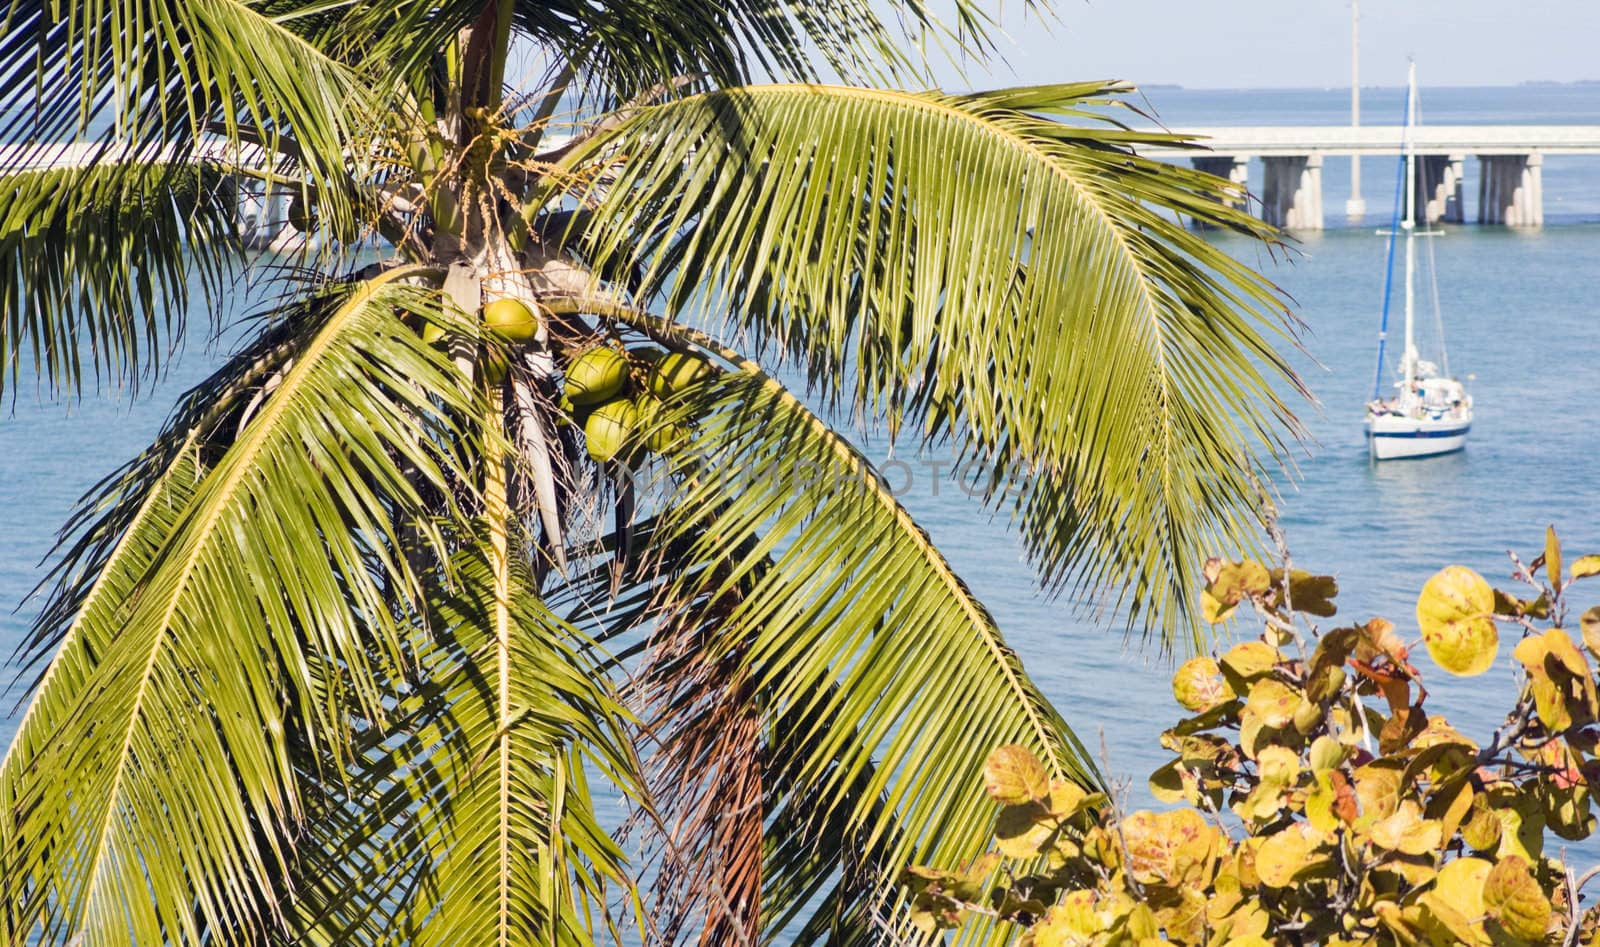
<point>1521,316</point>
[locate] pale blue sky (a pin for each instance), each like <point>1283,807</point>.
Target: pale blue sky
<point>1300,43</point>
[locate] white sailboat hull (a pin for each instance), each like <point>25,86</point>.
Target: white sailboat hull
<point>1390,437</point>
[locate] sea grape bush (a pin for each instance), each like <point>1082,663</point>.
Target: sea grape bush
<point>1317,801</point>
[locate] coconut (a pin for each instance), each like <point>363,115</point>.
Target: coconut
<point>597,375</point>
<point>512,318</point>
<point>432,333</point>
<point>667,438</point>
<point>647,354</point>
<point>675,372</point>
<point>662,435</point>
<point>607,430</point>
<point>494,365</point>
<point>566,411</point>
<point>302,215</point>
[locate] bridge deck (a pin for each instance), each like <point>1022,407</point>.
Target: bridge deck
<point>1284,141</point>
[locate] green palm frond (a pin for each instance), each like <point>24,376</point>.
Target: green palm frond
<point>143,70</point>
<point>469,819</point>
<point>151,787</point>
<point>104,520</point>
<point>95,254</point>
<point>97,264</point>
<point>616,51</point>
<point>742,850</point>
<point>1022,286</point>
<point>636,45</point>
<point>855,625</point>
<point>878,682</point>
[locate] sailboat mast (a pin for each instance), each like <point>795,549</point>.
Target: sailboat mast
<point>1409,225</point>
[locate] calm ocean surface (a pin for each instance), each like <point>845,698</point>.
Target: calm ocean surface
<point>1521,315</point>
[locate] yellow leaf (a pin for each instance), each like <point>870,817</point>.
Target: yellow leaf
<point>1552,557</point>
<point>1457,898</point>
<point>1278,765</point>
<point>1198,685</point>
<point>1451,803</point>
<point>1250,920</point>
<point>1378,790</point>
<point>1522,824</point>
<point>1174,783</point>
<point>1249,660</point>
<point>1559,646</point>
<point>1214,610</point>
<point>1142,924</point>
<point>1398,921</point>
<point>1283,854</point>
<point>1070,922</point>
<point>1263,803</point>
<point>1159,845</point>
<point>1013,775</point>
<point>1453,612</point>
<point>1482,828</point>
<point>1326,753</point>
<point>1185,920</point>
<point>1237,581</point>
<point>1319,804</point>
<point>1068,799</point>
<point>1251,730</point>
<point>1513,897</point>
<point>1586,566</point>
<point>1272,702</point>
<point>1406,831</point>
<point>1590,623</point>
<point>1021,831</point>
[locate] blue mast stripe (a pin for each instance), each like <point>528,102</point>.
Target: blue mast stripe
<point>1388,268</point>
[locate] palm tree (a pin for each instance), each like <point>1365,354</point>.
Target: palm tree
<point>370,642</point>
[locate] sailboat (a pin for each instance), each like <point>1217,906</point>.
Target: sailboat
<point>1430,412</point>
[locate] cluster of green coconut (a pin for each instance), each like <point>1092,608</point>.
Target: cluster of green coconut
<point>611,393</point>
<point>602,395</point>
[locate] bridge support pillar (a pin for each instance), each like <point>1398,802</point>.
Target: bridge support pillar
<point>1511,190</point>
<point>263,219</point>
<point>1291,192</point>
<point>1439,188</point>
<point>1236,171</point>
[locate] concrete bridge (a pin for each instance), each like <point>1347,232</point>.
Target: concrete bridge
<point>263,219</point>
<point>1510,165</point>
